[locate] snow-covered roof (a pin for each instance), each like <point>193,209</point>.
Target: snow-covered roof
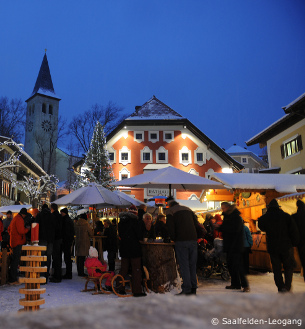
<point>283,183</point>
<point>274,124</point>
<point>154,109</point>
<point>294,102</point>
<point>237,149</point>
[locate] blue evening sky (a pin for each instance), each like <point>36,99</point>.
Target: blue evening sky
<point>229,66</point>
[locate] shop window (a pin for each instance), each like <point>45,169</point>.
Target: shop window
<point>5,189</point>
<point>291,147</point>
<point>44,108</point>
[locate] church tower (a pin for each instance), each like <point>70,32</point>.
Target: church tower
<point>41,131</point>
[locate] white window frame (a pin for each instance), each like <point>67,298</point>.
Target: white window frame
<point>112,150</point>
<point>146,149</point>
<point>124,149</point>
<point>161,149</point>
<point>193,197</point>
<point>153,140</point>
<point>168,140</point>
<point>209,173</point>
<point>244,157</point>
<point>124,171</point>
<point>192,171</point>
<point>204,157</point>
<point>182,151</point>
<point>138,140</point>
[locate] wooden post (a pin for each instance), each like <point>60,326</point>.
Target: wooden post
<point>4,267</point>
<point>32,279</point>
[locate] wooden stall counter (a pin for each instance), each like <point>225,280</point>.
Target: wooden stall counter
<point>159,259</point>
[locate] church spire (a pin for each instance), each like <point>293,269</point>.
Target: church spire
<point>44,84</point>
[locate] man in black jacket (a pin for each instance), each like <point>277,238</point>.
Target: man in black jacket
<point>67,240</point>
<point>282,234</point>
<point>110,244</point>
<point>130,249</point>
<point>57,245</point>
<point>46,234</point>
<point>299,218</point>
<point>181,223</point>
<point>232,229</point>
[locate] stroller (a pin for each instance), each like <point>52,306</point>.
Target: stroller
<point>211,260</point>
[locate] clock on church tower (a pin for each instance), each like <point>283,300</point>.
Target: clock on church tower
<point>42,119</point>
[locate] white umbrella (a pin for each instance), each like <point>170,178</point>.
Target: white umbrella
<point>128,198</point>
<point>93,194</point>
<point>170,177</point>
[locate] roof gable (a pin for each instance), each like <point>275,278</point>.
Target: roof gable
<point>154,109</point>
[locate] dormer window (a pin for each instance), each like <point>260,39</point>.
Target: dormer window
<point>44,108</point>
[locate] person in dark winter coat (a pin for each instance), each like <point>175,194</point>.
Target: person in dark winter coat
<point>6,223</point>
<point>130,248</point>
<point>299,218</point>
<point>46,235</point>
<point>161,228</point>
<point>67,241</point>
<point>281,234</point>
<point>110,244</point>
<point>57,245</point>
<point>208,225</point>
<point>142,210</point>
<point>232,230</point>
<point>248,243</point>
<point>181,222</point>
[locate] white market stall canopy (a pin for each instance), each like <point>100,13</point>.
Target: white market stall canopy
<point>288,201</point>
<point>282,183</point>
<point>15,208</point>
<point>170,177</point>
<point>93,194</point>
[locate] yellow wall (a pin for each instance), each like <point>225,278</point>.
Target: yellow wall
<point>287,164</point>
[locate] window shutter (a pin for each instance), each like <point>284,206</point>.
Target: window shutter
<point>299,142</point>
<point>282,151</point>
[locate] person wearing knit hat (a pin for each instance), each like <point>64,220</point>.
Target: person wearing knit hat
<point>133,209</point>
<point>96,268</point>
<point>282,235</point>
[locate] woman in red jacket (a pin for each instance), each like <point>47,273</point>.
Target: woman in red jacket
<point>17,233</point>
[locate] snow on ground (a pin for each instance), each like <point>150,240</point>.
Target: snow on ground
<point>68,292</point>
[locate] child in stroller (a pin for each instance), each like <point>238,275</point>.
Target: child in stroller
<point>211,259</point>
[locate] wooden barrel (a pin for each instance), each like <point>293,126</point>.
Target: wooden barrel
<point>159,259</point>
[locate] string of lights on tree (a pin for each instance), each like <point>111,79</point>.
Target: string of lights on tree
<point>97,166</point>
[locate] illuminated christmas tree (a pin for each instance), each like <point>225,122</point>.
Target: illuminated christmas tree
<point>97,160</point>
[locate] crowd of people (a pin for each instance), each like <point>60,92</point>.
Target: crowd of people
<point>61,235</point>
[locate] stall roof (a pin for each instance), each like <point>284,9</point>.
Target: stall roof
<point>15,208</point>
<point>282,183</point>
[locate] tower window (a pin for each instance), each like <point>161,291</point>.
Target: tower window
<point>44,108</point>
<point>33,108</point>
<point>50,109</point>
